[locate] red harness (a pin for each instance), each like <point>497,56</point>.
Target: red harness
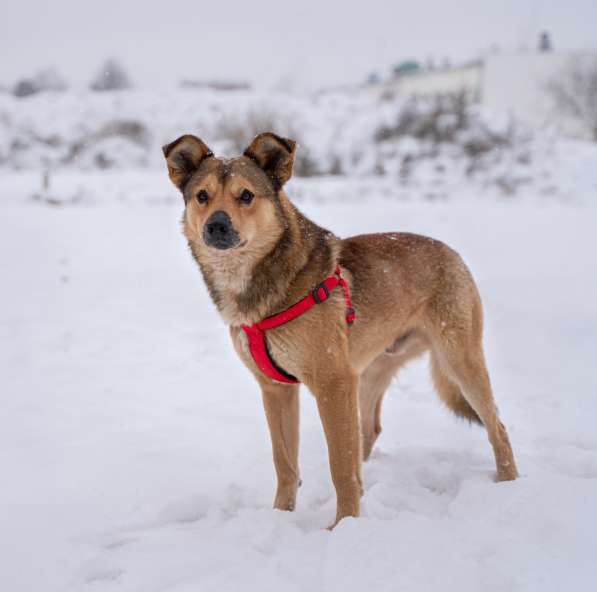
<point>256,331</point>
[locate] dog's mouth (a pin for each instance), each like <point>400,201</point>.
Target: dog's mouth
<point>225,246</point>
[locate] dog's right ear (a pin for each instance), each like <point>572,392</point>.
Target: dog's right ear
<point>184,157</point>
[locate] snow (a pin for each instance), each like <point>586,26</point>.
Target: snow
<point>135,453</point>
<point>348,132</point>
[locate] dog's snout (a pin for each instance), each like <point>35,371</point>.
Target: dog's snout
<point>219,232</point>
<point>219,223</point>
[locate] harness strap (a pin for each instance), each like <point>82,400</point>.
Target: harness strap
<point>256,332</point>
<point>350,312</point>
<point>262,357</point>
<point>318,295</point>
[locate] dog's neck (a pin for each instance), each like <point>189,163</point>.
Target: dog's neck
<point>266,279</point>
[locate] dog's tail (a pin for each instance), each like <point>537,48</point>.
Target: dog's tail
<point>451,395</point>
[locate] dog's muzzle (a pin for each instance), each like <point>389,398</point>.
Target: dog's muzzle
<point>218,231</point>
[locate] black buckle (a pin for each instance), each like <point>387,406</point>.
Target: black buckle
<point>315,293</point>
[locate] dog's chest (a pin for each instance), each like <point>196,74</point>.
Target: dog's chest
<point>227,286</point>
<point>225,283</point>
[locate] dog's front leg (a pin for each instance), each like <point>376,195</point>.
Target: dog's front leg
<point>281,402</point>
<point>337,399</point>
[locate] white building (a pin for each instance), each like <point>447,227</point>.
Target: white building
<point>515,83</point>
<point>466,79</point>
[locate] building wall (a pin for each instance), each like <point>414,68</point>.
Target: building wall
<point>517,83</point>
<point>435,82</point>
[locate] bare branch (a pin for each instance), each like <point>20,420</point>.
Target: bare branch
<point>574,92</point>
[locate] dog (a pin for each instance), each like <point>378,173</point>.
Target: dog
<point>387,299</point>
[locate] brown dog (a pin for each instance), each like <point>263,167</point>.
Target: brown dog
<point>259,255</point>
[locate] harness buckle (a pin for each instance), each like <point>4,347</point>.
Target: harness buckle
<point>350,315</point>
<point>317,293</point>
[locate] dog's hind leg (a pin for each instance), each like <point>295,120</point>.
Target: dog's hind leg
<point>376,379</point>
<point>281,402</point>
<point>451,394</point>
<point>461,377</point>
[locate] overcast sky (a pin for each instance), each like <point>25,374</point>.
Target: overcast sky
<point>307,43</point>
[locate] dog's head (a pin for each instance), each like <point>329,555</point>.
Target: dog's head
<point>230,204</point>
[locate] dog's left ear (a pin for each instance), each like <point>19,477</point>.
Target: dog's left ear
<point>184,157</point>
<point>273,154</point>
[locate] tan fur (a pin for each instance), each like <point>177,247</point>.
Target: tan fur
<point>411,294</point>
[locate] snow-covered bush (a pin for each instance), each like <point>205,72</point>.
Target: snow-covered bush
<point>238,133</point>
<point>117,144</point>
<point>432,145</point>
<point>112,76</point>
<point>446,119</point>
<point>45,80</point>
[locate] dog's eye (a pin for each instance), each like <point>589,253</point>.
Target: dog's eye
<point>246,197</point>
<point>202,196</point>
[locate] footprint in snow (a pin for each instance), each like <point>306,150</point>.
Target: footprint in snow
<point>104,575</point>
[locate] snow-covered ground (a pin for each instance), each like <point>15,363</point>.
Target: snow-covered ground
<point>135,453</point>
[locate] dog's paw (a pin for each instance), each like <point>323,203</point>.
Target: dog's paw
<point>286,497</point>
<point>506,473</point>
<point>286,505</point>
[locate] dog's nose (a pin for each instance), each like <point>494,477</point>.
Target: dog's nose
<point>218,231</point>
<point>218,224</point>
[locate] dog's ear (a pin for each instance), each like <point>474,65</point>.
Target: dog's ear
<point>273,154</point>
<point>184,157</point>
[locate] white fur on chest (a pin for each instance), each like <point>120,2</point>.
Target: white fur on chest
<point>230,276</point>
